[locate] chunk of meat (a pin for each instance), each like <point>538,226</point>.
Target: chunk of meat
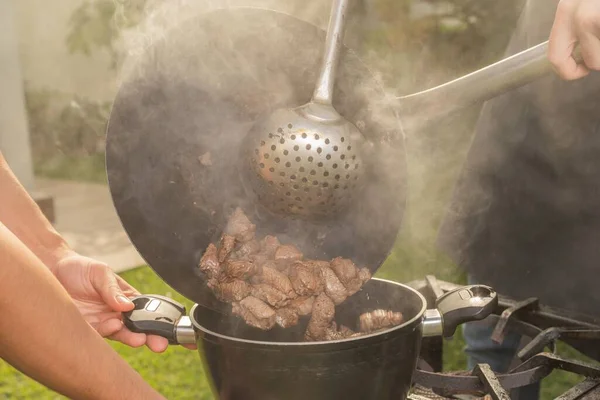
<point>354,285</point>
<point>209,263</point>
<point>333,333</point>
<point>322,315</point>
<point>233,290</point>
<point>379,319</point>
<point>306,279</point>
<point>226,245</point>
<point>270,295</point>
<point>239,269</point>
<point>286,317</point>
<point>269,245</point>
<point>255,313</point>
<point>302,305</point>
<point>288,252</point>
<point>279,281</point>
<point>259,259</point>
<point>364,274</point>
<point>345,269</point>
<point>351,277</point>
<point>333,287</point>
<point>240,226</point>
<point>247,249</point>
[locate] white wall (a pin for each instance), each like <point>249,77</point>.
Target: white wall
<point>14,134</point>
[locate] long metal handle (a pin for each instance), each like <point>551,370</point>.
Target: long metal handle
<point>484,84</point>
<point>335,37</point>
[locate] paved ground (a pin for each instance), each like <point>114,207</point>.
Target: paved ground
<point>86,217</point>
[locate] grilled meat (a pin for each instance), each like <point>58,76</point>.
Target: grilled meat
<point>240,226</point>
<point>255,313</point>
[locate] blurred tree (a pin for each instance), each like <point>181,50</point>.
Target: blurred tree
<point>97,25</point>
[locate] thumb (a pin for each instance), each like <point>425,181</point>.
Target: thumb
<point>107,286</point>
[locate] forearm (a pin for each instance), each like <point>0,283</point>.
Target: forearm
<point>43,334</point>
<point>20,213</point>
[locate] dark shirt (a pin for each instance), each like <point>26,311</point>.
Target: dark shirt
<point>525,217</point>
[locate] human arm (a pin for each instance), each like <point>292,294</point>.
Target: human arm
<point>20,214</point>
<point>43,334</point>
<point>576,22</point>
<point>96,290</point>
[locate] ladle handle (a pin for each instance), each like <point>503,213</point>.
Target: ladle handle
<point>483,84</point>
<point>333,43</point>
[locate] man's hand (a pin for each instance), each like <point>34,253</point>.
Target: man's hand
<point>576,22</point>
<point>101,296</point>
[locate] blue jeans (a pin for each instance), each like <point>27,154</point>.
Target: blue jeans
<point>481,349</point>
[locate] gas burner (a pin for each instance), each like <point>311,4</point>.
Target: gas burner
<point>543,326</point>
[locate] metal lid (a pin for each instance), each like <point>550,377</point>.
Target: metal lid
<point>177,122</point>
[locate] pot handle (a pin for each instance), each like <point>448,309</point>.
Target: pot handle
<point>464,304</point>
<point>161,316</point>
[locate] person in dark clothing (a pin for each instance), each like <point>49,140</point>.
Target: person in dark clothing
<point>525,214</point>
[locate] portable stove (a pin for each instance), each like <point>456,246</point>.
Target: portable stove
<point>543,325</point>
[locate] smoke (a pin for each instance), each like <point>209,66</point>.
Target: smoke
<point>196,79</point>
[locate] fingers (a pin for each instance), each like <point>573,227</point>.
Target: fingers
<point>587,24</point>
<point>108,327</point>
<point>126,287</point>
<point>129,338</point>
<point>563,38</point>
<point>156,343</point>
<point>107,285</point>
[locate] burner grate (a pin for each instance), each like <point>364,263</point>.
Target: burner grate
<point>542,325</point>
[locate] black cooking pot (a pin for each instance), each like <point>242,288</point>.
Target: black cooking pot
<point>246,363</point>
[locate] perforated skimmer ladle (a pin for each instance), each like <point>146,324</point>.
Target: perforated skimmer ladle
<point>309,161</point>
<point>306,161</point>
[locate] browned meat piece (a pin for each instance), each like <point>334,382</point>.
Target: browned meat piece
<point>345,269</point>
<point>333,287</point>
<point>240,226</point>
<point>350,276</point>
<point>259,259</point>
<point>302,305</point>
<point>379,319</point>
<point>364,274</point>
<point>288,252</point>
<point>255,312</point>
<point>286,317</point>
<point>209,263</point>
<point>333,333</point>
<point>277,280</point>
<point>322,315</point>
<point>239,269</point>
<point>354,285</point>
<point>269,245</point>
<point>247,249</point>
<point>226,245</point>
<point>346,332</point>
<point>233,290</point>
<point>306,279</point>
<point>270,295</point>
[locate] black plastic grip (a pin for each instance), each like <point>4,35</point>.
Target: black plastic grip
<point>154,315</point>
<point>468,303</point>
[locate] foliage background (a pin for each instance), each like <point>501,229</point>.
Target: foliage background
<point>411,44</point>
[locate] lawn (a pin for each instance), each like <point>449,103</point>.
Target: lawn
<point>178,374</point>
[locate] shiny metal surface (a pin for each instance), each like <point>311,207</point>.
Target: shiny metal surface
<point>184,331</point>
<point>307,161</point>
<point>432,323</point>
<point>483,84</point>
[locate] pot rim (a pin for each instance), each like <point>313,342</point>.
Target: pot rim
<point>411,321</point>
